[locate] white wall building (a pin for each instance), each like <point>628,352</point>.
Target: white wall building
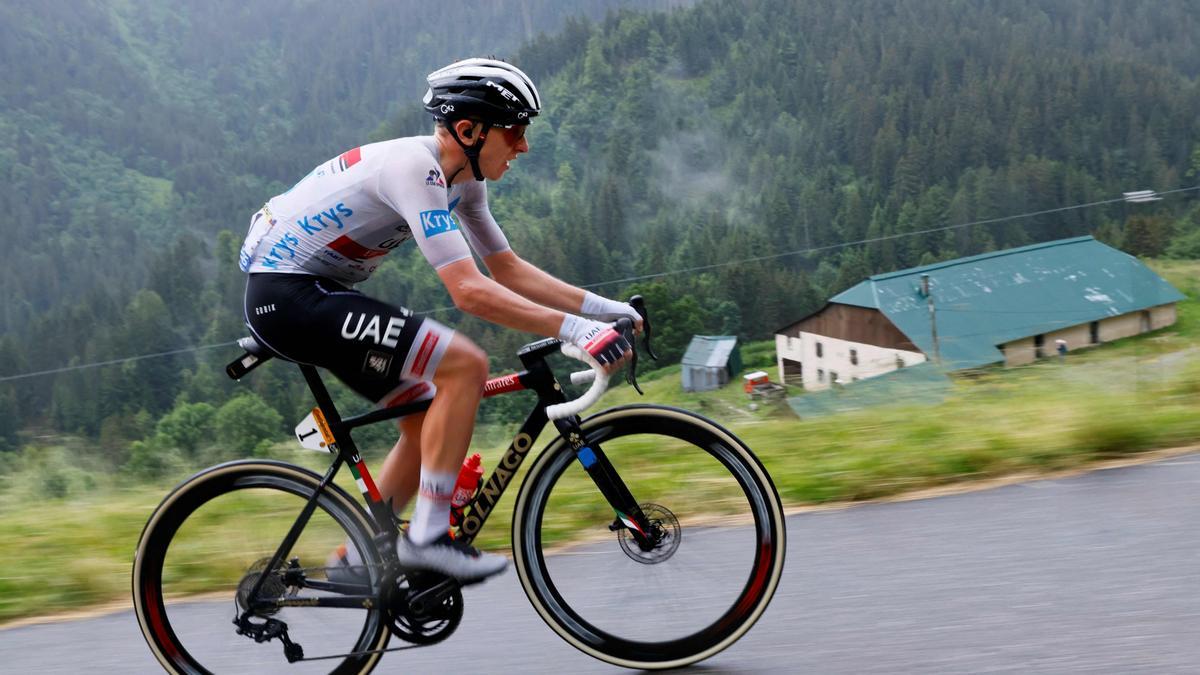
<point>824,361</point>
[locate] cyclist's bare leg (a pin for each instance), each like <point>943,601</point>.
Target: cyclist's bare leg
<point>445,435</point>
<point>450,420</point>
<point>401,471</point>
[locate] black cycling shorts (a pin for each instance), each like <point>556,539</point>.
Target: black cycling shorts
<point>379,350</point>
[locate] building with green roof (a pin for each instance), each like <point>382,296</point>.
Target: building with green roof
<point>1009,307</point>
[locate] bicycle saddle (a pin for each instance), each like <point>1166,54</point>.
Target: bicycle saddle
<point>256,354</point>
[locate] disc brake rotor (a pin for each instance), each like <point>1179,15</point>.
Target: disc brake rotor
<point>664,531</point>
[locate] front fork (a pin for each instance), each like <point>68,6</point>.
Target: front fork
<point>629,514</point>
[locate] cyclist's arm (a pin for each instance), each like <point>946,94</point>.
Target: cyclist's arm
<point>477,294</point>
<point>505,266</point>
<point>530,281</point>
<point>482,296</point>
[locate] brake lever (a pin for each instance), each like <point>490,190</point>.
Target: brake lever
<point>639,305</point>
<point>625,327</point>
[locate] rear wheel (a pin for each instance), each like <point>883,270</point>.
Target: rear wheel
<point>207,544</point>
<point>715,517</point>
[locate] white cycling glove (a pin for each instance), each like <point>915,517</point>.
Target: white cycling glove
<point>601,340</point>
<point>604,309</point>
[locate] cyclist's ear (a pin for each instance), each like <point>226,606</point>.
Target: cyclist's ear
<point>466,129</point>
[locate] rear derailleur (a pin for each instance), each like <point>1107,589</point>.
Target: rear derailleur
<point>268,630</point>
<point>278,584</point>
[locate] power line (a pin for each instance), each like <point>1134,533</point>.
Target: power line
<point>64,369</point>
<point>659,275</point>
<point>816,249</point>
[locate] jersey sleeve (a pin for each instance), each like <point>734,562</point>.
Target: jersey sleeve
<point>404,186</point>
<point>481,228</point>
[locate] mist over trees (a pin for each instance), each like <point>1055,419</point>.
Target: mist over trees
<point>136,140</point>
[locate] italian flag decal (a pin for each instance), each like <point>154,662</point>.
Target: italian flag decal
<point>363,478</point>
<point>629,522</point>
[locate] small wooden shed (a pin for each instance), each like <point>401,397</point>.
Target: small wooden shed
<point>710,362</point>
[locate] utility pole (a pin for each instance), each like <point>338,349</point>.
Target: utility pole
<point>937,352</point>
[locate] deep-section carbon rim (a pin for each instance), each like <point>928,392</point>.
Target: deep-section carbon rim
<point>755,548</point>
<point>265,482</point>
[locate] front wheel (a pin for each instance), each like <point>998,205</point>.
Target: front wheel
<point>207,544</point>
<point>718,526</point>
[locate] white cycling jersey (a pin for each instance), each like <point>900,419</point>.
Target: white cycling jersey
<point>341,218</point>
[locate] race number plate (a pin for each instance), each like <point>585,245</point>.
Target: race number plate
<point>314,434</point>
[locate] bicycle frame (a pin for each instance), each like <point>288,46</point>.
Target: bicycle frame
<point>537,377</point>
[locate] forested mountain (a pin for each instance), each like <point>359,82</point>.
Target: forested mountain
<point>124,124</point>
<point>132,133</point>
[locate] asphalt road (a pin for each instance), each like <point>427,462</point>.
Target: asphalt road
<point>1095,573</point>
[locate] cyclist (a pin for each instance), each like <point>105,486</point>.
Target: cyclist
<point>307,247</point>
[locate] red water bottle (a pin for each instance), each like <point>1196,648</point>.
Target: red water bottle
<point>464,488</point>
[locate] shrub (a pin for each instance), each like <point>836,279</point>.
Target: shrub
<point>187,425</point>
<point>243,422</point>
<point>152,459</point>
<point>1185,246</point>
<point>56,484</point>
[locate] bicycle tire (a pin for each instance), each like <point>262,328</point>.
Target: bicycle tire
<point>654,428</point>
<point>262,477</point>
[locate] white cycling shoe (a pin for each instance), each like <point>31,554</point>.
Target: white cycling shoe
<point>452,558</point>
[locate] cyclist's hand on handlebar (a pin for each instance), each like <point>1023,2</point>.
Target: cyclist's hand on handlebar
<point>633,318</point>
<point>609,347</point>
<point>604,342</point>
<point>608,311</point>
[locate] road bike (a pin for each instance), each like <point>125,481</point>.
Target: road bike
<point>646,536</point>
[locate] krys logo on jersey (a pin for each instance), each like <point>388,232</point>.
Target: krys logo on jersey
<point>314,223</point>
<point>437,222</point>
<point>287,244</point>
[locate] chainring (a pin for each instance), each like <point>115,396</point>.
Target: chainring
<point>431,624</point>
